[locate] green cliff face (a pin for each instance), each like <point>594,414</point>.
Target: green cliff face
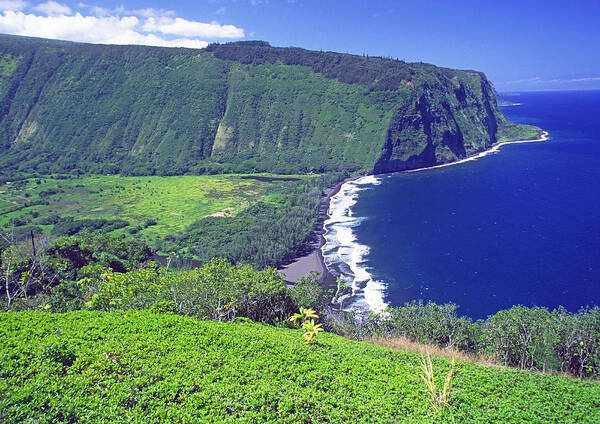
<point>451,115</point>
<point>246,106</point>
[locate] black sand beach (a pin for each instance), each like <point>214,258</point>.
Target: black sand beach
<point>313,261</point>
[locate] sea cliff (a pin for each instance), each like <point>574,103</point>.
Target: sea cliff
<point>238,107</point>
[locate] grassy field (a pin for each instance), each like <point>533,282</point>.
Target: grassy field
<point>143,367</point>
<point>5,204</point>
<point>173,202</point>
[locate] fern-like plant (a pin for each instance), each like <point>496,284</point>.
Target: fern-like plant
<point>306,319</point>
<point>300,318</point>
<point>438,400</point>
<point>312,330</point>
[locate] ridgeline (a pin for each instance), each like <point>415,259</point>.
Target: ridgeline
<point>238,107</point>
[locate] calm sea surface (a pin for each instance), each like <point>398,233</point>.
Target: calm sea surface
<point>521,226</point>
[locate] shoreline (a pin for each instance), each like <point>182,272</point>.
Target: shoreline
<point>313,261</point>
<point>542,136</point>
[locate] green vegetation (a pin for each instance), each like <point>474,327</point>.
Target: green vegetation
<point>215,291</point>
<point>196,217</point>
<point>264,234</point>
<point>142,359</point>
<point>32,271</point>
<point>8,64</point>
<point>232,108</point>
<point>528,338</point>
<point>140,366</point>
<point>519,132</point>
<point>172,202</point>
<point>97,271</point>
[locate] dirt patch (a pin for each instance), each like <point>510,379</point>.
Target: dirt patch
<point>224,212</point>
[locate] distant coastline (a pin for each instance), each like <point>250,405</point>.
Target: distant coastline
<point>503,103</point>
<point>542,136</point>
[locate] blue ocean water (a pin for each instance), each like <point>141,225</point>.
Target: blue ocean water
<point>520,226</point>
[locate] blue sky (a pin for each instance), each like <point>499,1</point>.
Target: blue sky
<point>520,45</point>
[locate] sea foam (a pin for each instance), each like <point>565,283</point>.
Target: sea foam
<point>344,256</point>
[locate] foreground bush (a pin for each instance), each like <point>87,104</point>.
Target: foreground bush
<point>137,366</point>
<point>39,272</point>
<point>102,272</point>
<point>217,290</point>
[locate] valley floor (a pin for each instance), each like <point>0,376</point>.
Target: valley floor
<point>173,203</point>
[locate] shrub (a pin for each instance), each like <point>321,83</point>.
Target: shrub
<point>520,337</point>
<point>65,296</point>
<point>427,323</point>
<point>70,254</point>
<point>149,223</point>
<point>309,293</point>
<point>163,306</point>
<point>217,290</point>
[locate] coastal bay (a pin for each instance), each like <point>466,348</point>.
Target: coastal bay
<point>336,255</point>
<point>487,233</point>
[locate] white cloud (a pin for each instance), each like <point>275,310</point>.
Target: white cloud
<point>153,13</point>
<point>53,8</point>
<point>183,27</point>
<point>12,4</point>
<point>156,27</point>
<point>220,11</point>
<point>74,28</point>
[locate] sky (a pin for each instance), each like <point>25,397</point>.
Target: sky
<point>520,45</point>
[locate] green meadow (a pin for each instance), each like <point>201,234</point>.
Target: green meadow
<point>173,202</point>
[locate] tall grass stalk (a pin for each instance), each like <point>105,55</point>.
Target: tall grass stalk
<point>439,400</point>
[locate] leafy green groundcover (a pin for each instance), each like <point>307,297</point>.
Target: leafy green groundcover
<point>144,367</point>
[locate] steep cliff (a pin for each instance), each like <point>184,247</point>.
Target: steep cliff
<point>70,107</point>
<point>451,115</point>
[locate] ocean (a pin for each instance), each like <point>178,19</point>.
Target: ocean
<point>518,226</point>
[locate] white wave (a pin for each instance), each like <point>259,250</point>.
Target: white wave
<point>344,256</point>
<point>367,179</point>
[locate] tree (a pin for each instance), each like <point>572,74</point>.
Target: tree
<point>24,269</point>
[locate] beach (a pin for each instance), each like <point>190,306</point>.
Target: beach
<point>313,261</point>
